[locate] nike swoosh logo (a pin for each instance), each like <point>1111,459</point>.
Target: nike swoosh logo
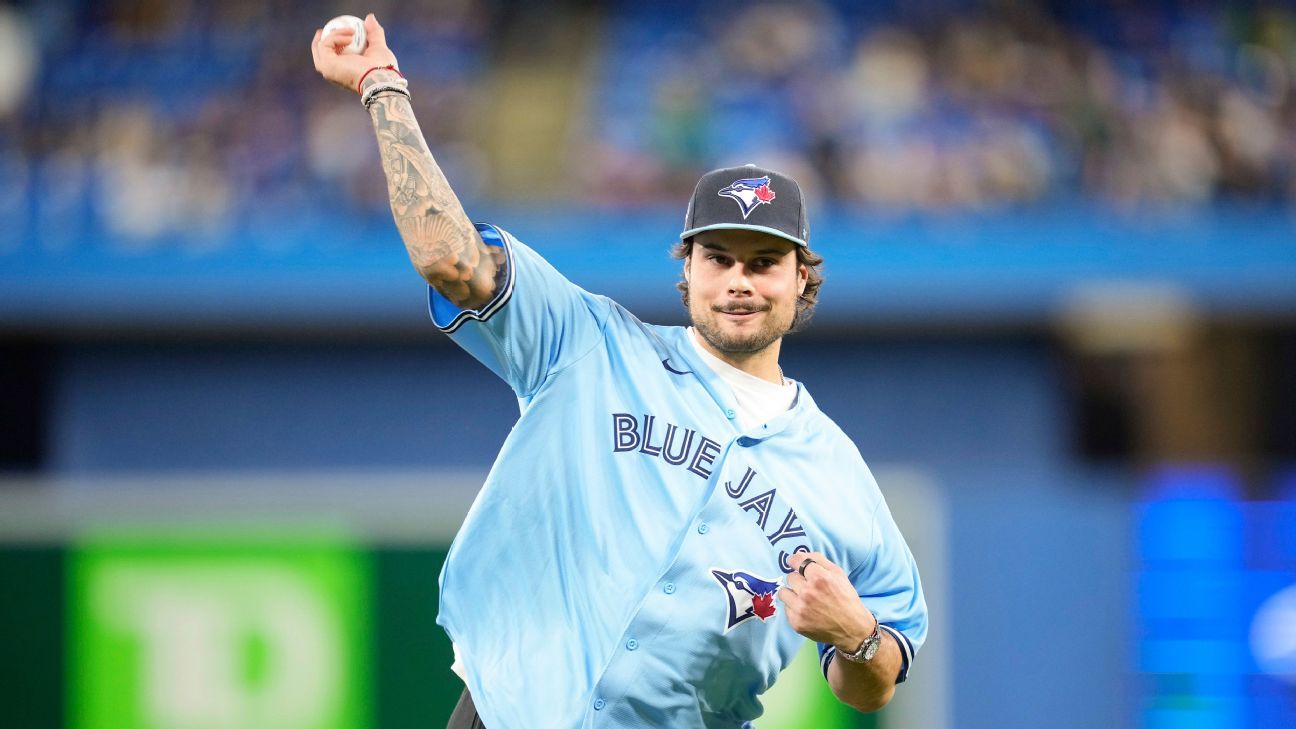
<point>672,370</point>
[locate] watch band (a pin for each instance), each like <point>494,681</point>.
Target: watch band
<point>868,649</point>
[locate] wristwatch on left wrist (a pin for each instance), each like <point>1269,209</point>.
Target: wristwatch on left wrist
<point>867,649</point>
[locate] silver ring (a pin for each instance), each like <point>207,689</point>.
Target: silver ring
<point>801,569</point>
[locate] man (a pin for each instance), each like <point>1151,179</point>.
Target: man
<point>670,517</point>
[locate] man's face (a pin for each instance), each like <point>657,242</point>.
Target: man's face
<point>743,288</point>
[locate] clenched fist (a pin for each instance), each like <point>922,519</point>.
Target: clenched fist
<point>821,603</point>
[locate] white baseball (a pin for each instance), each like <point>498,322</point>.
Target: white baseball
<point>358,42</point>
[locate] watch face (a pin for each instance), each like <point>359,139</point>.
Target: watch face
<point>871,648</point>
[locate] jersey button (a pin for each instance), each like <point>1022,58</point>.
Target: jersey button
<point>730,414</point>
<point>703,528</point>
<point>632,644</point>
<point>599,704</point>
<point>669,588</point>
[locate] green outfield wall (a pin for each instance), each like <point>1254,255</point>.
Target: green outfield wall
<point>231,628</point>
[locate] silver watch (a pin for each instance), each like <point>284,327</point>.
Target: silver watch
<point>867,649</point>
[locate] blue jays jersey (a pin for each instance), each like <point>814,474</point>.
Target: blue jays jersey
<point>619,567</point>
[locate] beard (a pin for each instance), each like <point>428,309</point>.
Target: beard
<point>772,328</point>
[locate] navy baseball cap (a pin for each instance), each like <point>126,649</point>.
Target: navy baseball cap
<point>748,198</point>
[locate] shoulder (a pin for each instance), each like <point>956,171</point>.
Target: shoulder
<point>623,324</point>
<point>825,431</point>
<point>537,276</point>
<point>830,443</point>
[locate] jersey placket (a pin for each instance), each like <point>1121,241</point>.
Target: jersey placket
<point>660,604</point>
<point>678,595</point>
<point>663,603</point>
<point>637,642</point>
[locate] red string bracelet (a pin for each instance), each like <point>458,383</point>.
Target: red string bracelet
<point>377,68</point>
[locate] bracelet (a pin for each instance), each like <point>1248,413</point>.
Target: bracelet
<point>388,67</point>
<point>398,84</point>
<point>371,93</point>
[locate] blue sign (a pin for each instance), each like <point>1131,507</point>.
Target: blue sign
<point>1214,604</point>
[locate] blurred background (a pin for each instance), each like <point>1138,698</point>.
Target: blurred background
<point>1059,321</point>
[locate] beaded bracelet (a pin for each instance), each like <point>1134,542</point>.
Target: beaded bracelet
<point>371,93</point>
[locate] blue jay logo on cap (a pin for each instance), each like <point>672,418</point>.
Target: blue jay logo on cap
<point>749,596</point>
<point>749,193</point>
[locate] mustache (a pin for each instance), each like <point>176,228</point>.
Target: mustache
<point>740,308</point>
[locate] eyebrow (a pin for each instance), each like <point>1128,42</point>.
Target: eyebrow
<point>761,252</point>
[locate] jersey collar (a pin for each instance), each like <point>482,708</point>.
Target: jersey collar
<point>679,355</point>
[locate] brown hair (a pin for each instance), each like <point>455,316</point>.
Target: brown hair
<point>805,302</point>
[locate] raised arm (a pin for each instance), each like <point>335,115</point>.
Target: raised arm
<point>441,241</point>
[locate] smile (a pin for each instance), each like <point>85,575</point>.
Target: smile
<point>739,315</point>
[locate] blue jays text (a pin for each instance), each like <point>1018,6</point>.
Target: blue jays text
<point>630,435</point>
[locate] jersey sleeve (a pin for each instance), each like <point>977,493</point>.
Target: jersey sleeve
<point>888,584</point>
<point>537,323</point>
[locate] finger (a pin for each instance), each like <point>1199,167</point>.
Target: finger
<point>821,560</point>
<point>374,32</point>
<point>339,33</point>
<point>787,596</point>
<point>315,48</point>
<point>341,38</point>
<point>811,569</point>
<point>795,560</point>
<point>324,44</point>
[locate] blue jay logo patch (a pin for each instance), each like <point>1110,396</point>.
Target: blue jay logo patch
<point>749,596</point>
<point>750,193</point>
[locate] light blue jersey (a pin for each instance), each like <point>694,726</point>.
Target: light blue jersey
<point>619,567</point>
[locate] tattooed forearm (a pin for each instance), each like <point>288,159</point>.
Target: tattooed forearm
<point>441,241</point>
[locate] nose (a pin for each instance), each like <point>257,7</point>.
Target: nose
<point>739,284</point>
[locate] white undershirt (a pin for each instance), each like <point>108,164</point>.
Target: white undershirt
<point>457,666</point>
<point>759,401</point>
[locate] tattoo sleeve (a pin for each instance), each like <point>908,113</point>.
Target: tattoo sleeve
<point>441,241</point>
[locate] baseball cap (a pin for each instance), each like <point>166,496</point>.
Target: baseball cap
<point>748,198</point>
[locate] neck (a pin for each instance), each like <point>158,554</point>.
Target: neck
<point>762,363</point>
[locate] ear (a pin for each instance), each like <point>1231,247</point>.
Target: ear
<point>687,267</point>
<point>803,278</point>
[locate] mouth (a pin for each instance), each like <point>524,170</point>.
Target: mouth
<point>739,314</point>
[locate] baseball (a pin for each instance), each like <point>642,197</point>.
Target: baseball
<point>358,43</point>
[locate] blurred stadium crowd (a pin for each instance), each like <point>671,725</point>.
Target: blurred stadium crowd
<point>147,117</point>
<point>1000,103</point>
